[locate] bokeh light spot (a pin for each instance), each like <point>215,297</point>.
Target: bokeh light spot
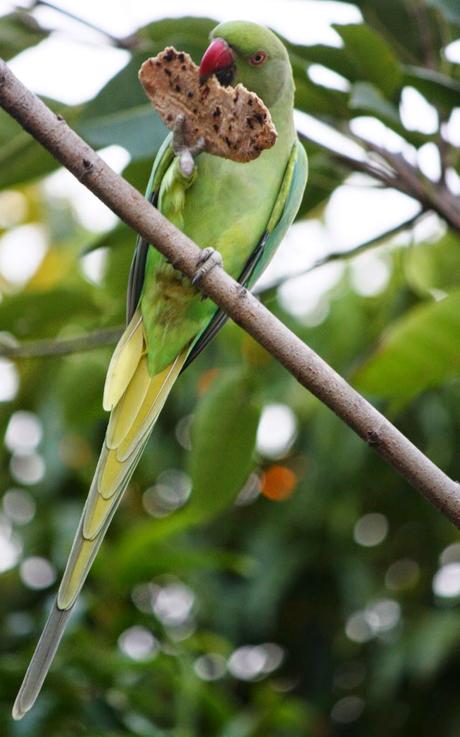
<point>446,582</point>
<point>371,529</point>
<point>173,604</point>
<point>10,546</point>
<point>9,380</point>
<point>347,710</point>
<point>37,573</point>
<point>451,554</point>
<point>13,208</point>
<point>277,430</point>
<point>402,574</point>
<point>250,491</point>
<point>28,468</point>
<point>19,506</point>
<point>210,667</point>
<point>138,643</point>
<point>251,662</point>
<point>278,483</point>
<point>21,252</point>
<point>24,432</point>
<point>171,492</point>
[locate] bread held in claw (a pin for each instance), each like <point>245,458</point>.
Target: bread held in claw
<point>234,122</point>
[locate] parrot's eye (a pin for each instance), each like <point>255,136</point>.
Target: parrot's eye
<point>258,58</point>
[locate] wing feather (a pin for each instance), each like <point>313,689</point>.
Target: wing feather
<point>124,362</point>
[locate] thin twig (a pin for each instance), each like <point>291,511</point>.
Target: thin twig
<point>127,43</point>
<point>101,338</point>
<point>418,9</point>
<point>346,255</point>
<point>306,366</point>
<point>431,195</point>
<point>373,170</point>
<point>60,347</point>
<point>396,172</point>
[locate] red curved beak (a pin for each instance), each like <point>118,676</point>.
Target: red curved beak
<point>217,56</point>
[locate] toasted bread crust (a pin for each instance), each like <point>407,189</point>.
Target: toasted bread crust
<point>233,121</point>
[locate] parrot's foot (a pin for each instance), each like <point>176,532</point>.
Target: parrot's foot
<point>208,259</point>
<point>185,153</point>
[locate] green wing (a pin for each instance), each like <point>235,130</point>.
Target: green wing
<point>163,160</point>
<point>284,211</point>
<point>283,214</point>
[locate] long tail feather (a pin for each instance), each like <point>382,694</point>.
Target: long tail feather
<point>135,411</point>
<point>41,661</point>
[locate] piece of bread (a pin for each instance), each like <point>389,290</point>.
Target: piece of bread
<point>233,121</point>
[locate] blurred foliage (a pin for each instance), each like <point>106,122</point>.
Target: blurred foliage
<point>317,548</point>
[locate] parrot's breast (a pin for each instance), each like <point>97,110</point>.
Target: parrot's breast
<point>227,206</point>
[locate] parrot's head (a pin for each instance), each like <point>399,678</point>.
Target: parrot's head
<point>251,54</point>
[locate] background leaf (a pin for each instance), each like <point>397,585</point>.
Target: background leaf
<point>420,350</point>
<point>223,436</point>
<point>373,56</point>
<point>19,31</point>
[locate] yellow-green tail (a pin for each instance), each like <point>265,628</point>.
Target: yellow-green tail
<point>135,400</point>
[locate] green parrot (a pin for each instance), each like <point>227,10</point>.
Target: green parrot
<point>240,212</point>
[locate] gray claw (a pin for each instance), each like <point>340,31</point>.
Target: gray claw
<point>208,259</point>
<point>186,154</point>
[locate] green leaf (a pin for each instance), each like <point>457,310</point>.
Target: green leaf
<point>19,31</point>
<point>188,34</point>
<point>41,314</point>
<point>224,436</point>
<point>434,266</point>
<point>420,350</point>
<point>121,114</point>
<point>318,100</point>
<point>223,439</point>
<point>137,129</point>
<point>433,640</point>
<point>374,57</point>
<point>22,159</point>
<point>328,56</point>
<point>121,242</point>
<point>368,98</point>
<point>438,88</point>
<point>170,555</point>
<point>395,21</point>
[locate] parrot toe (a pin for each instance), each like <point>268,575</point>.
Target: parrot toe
<point>208,259</point>
<point>185,153</point>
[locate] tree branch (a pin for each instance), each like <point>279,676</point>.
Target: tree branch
<point>306,366</point>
